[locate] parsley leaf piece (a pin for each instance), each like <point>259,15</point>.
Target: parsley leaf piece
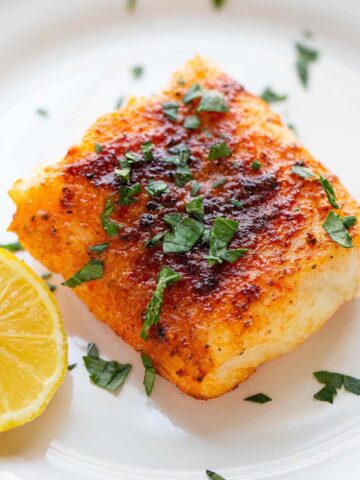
<point>172,219</point>
<point>258,398</point>
<point>150,374</point>
<point>110,226</point>
<point>237,203</point>
<point>192,122</point>
<point>155,240</point>
<point>71,366</point>
<point>218,4</point>
<point>221,234</point>
<point>329,190</point>
<point>98,148</point>
<point>302,172</point>
<point>334,226</point>
<point>166,278</point>
<point>171,110</point>
<point>219,183</point>
<point>195,188</point>
<point>256,165</point>
<point>42,112</point>
<point>12,247</point>
<point>184,235</point>
<point>146,149</point>
<point>329,378</point>
<point>305,56</point>
<point>195,91</point>
<point>123,173</point>
<point>209,473</point>
<point>93,270</point>
<point>137,71</point>
<point>195,208</point>
<point>183,175</point>
<point>157,187</point>
<point>98,248</point>
<point>127,193</point>
<point>270,96</point>
<point>212,101</point>
<point>219,150</point>
<point>326,394</point>
<point>130,157</point>
<point>105,374</point>
<point>349,221</point>
<point>352,384</point>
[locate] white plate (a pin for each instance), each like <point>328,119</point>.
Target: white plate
<point>73,59</point>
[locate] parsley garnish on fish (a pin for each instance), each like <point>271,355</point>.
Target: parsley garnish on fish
<point>192,122</point>
<point>305,56</point>
<point>147,150</point>
<point>237,203</point>
<point>270,96</point>
<point>258,398</point>
<point>110,226</point>
<point>212,101</point>
<point>155,240</point>
<point>137,71</point>
<point>221,234</point>
<point>171,110</point>
<point>195,208</point>
<point>98,248</point>
<point>329,190</point>
<point>219,150</point>
<point>93,270</point>
<point>127,194</point>
<point>195,188</point>
<point>184,234</point>
<point>123,173</point>
<point>157,187</point>
<point>194,92</point>
<point>183,173</point>
<point>12,247</point>
<point>98,148</point>
<point>219,183</point>
<point>109,375</point>
<point>302,172</point>
<point>166,278</point>
<point>349,221</point>
<point>150,374</point>
<point>334,225</point>
<point>255,165</point>
<point>333,382</point>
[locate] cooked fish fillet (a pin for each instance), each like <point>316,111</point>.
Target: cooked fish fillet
<point>219,322</point>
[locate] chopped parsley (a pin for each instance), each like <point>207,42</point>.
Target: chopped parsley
<point>183,173</point>
<point>195,208</point>
<point>98,248</point>
<point>329,190</point>
<point>237,203</point>
<point>209,473</point>
<point>184,234</point>
<point>258,398</point>
<point>192,122</point>
<point>127,193</point>
<point>155,240</point>
<point>150,374</point>
<point>219,150</point>
<point>109,375</point>
<point>171,110</point>
<point>305,56</point>
<point>212,101</point>
<point>349,222</point>
<point>146,149</point>
<point>195,91</point>
<point>219,183</point>
<point>12,247</point>
<point>195,188</point>
<point>302,172</point>
<point>334,226</point>
<point>71,366</point>
<point>42,112</point>
<point>110,226</point>
<point>93,270</point>
<point>221,234</point>
<point>333,382</point>
<point>270,96</point>
<point>166,278</point>
<point>98,148</point>
<point>137,71</point>
<point>123,173</point>
<point>157,187</point>
<point>255,165</point>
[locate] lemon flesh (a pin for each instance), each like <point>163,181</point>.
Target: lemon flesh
<point>33,347</point>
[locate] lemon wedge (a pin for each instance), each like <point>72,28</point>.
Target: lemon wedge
<point>33,347</point>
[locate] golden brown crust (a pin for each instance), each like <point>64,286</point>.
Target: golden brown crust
<point>58,218</point>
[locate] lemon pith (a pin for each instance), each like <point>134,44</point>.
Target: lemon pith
<point>33,347</point>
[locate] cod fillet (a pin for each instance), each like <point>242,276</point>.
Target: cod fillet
<point>226,315</point>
